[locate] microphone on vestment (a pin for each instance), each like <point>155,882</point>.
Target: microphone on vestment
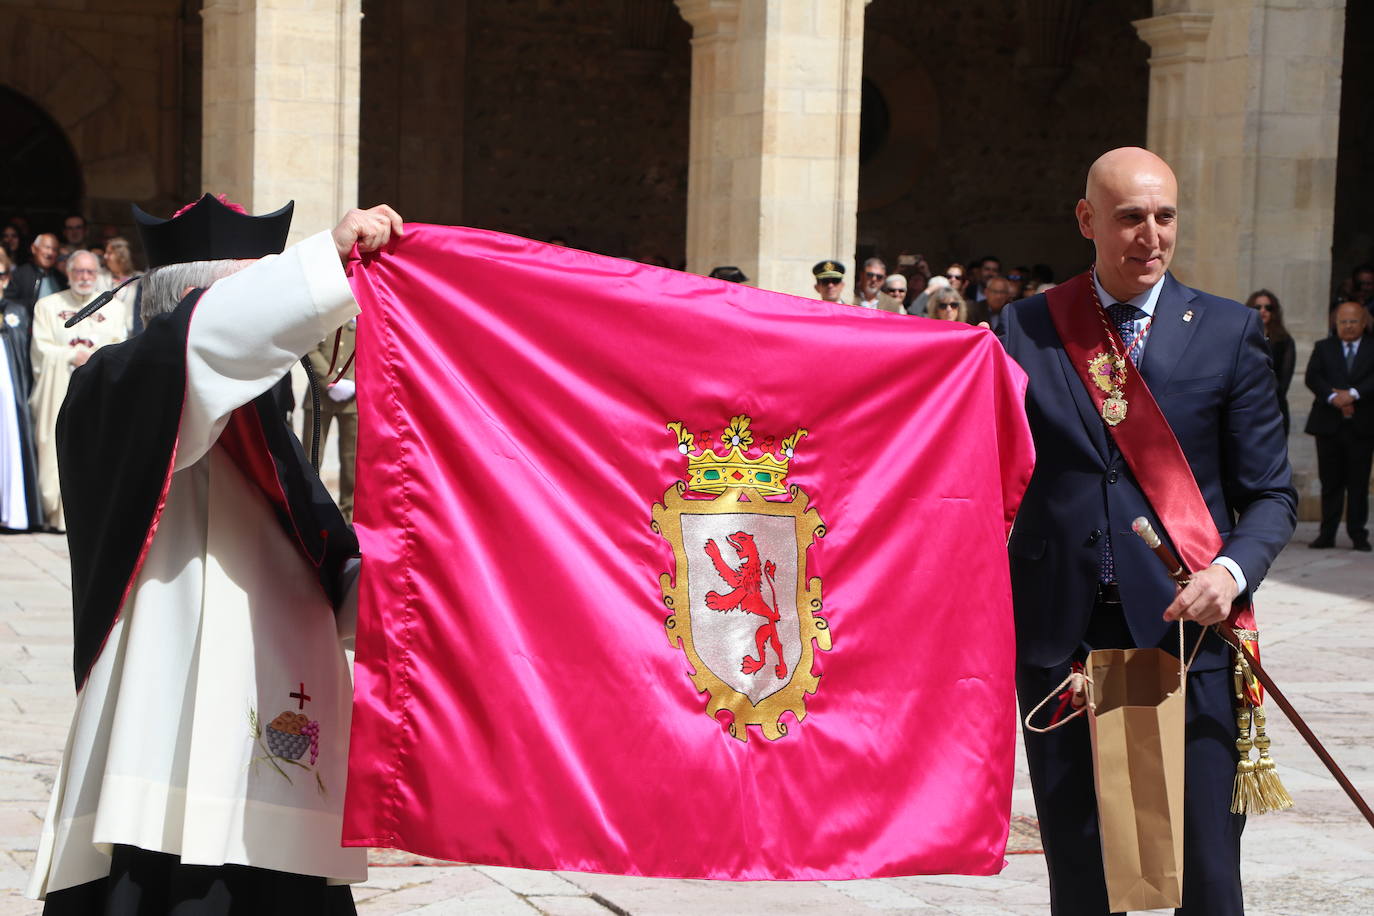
<point>98,303</point>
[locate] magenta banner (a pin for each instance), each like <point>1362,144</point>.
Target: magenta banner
<point>670,576</point>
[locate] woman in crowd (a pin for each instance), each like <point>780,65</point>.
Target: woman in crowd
<point>957,277</point>
<point>917,306</point>
<point>1282,350</point>
<point>947,305</point>
<point>13,242</point>
<point>119,263</point>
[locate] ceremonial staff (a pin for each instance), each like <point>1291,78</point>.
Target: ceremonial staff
<point>1181,575</point>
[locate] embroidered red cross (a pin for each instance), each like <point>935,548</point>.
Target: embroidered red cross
<point>302,696</point>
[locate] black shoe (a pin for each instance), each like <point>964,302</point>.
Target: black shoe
<point>1363,546</point>
<point>1322,543</point>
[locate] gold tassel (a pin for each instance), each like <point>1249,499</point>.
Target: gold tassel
<point>1271,790</point>
<point>1245,795</point>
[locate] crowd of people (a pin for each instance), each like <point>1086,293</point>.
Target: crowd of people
<point>1341,384</point>
<point>46,278</point>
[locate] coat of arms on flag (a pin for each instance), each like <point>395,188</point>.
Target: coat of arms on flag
<point>743,608</point>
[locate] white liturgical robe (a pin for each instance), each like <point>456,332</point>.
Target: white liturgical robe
<point>214,723</point>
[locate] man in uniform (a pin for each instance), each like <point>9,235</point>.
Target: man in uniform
<point>1080,578</point>
<point>829,280</point>
<point>205,766</point>
<point>337,402</point>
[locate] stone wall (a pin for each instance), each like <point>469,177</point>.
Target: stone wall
<point>117,84</point>
<point>995,111</point>
<point>537,117</point>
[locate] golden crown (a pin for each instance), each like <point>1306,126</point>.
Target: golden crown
<point>711,472</point>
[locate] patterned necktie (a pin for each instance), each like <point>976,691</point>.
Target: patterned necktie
<point>1349,356</point>
<point>1124,316</point>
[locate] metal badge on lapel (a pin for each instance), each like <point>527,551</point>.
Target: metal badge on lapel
<point>1188,315</point>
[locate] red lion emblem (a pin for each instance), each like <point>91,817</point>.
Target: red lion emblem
<point>747,582</point>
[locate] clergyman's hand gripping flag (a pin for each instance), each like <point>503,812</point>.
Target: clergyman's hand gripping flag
<point>670,576</point>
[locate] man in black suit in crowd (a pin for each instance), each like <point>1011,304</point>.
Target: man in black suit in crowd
<point>1341,375</point>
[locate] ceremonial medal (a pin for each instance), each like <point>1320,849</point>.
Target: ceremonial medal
<point>1114,410</point>
<point>1108,371</point>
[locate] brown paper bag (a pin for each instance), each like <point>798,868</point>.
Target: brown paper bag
<point>1136,716</point>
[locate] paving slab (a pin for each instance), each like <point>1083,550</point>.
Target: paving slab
<point>1317,620</point>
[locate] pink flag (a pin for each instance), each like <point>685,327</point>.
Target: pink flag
<point>669,576</point>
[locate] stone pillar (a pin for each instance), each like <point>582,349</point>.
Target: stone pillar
<point>773,174</point>
<point>281,106</point>
<point>1245,104</point>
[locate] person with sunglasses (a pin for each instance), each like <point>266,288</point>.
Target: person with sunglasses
<point>956,276</point>
<point>829,280</point>
<point>947,305</point>
<point>893,296</point>
<point>1283,352</point>
<point>871,283</point>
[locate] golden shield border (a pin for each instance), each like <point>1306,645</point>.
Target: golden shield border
<point>667,521</point>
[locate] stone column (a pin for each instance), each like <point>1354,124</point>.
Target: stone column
<point>281,106</point>
<point>1245,104</point>
<point>773,172</point>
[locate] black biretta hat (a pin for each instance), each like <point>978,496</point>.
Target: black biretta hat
<point>210,231</point>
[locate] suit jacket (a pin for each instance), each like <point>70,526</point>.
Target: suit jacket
<point>1327,370</point>
<point>1212,379</point>
<point>25,281</point>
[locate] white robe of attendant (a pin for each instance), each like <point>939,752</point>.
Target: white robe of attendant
<point>225,621</point>
<point>53,350</point>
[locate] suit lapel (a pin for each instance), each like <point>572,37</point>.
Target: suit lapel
<point>1082,401</point>
<point>1364,359</point>
<point>1169,333</point>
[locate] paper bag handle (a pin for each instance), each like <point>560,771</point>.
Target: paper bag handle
<point>1183,667</point>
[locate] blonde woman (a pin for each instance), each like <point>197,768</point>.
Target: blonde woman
<point>119,264</point>
<point>947,305</point>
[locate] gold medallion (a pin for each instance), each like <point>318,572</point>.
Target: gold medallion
<point>1114,410</point>
<point>1107,370</point>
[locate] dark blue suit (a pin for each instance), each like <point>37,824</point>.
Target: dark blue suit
<point>1212,379</point>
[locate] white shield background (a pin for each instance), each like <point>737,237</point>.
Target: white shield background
<point>724,638</point>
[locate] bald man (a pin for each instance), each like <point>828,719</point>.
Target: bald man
<point>1080,579</point>
<point>1341,376</point>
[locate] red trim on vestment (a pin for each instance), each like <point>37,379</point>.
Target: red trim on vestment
<point>243,438</point>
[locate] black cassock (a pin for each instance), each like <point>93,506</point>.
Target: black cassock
<point>15,333</point>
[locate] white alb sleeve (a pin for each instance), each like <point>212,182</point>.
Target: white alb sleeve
<point>249,328</point>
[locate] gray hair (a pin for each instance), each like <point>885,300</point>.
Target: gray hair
<point>163,287</point>
<point>943,296</point>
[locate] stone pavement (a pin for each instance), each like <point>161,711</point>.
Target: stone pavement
<point>1317,611</point>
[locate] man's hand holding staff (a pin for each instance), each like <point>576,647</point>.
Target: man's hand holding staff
<point>1181,607</point>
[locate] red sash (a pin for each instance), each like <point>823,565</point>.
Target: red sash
<point>1144,437</point>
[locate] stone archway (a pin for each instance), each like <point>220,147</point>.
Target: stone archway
<point>42,64</point>
<point>906,140</point>
<point>40,176</point>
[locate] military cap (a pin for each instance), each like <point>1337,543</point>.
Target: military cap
<point>828,270</point>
